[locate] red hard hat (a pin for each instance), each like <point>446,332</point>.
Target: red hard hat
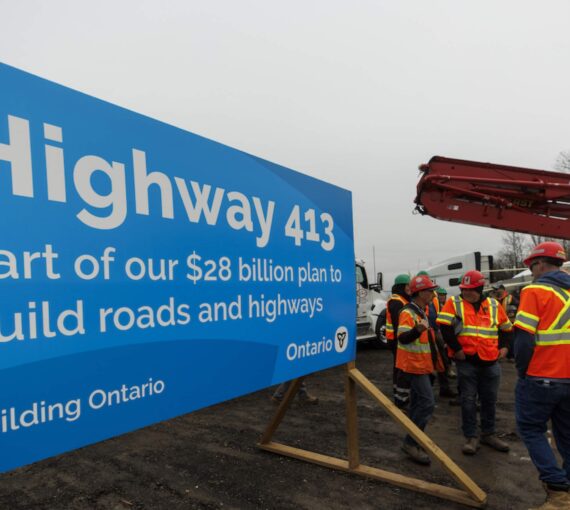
<point>549,249</point>
<point>422,282</point>
<point>472,280</point>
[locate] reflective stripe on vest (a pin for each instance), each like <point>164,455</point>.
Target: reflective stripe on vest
<point>418,348</point>
<point>415,357</point>
<point>390,333</point>
<point>558,333</point>
<point>527,319</point>
<point>475,339</point>
<point>551,355</point>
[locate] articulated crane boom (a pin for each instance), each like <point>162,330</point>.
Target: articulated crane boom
<point>505,197</point>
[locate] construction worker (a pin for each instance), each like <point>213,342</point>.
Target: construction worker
<point>441,296</point>
<point>451,374</point>
<point>400,297</point>
<point>542,356</point>
<point>432,311</point>
<point>417,356</point>
<point>435,300</point>
<point>477,332</point>
<point>504,297</point>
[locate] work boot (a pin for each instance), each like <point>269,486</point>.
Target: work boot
<point>471,446</point>
<point>306,398</point>
<point>494,442</point>
<point>555,500</point>
<point>416,454</point>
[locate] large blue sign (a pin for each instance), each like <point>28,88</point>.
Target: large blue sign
<point>147,272</point>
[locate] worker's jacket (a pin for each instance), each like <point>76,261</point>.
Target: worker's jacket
<point>432,311</point>
<point>477,332</point>
<point>419,356</point>
<point>390,333</point>
<point>544,311</point>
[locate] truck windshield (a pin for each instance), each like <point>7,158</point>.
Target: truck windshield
<point>361,277</point>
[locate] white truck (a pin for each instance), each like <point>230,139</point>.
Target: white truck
<point>448,273</point>
<point>371,307</point>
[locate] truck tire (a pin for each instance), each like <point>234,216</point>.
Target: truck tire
<point>380,341</point>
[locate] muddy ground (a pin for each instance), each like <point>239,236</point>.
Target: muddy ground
<point>209,459</point>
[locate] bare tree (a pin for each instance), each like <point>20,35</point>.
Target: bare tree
<point>515,247</point>
<point>514,250</point>
<point>563,162</point>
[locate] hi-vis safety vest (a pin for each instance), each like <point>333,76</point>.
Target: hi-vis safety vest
<point>506,301</point>
<point>415,357</point>
<point>436,304</point>
<point>477,332</point>
<point>389,321</point>
<point>544,311</point>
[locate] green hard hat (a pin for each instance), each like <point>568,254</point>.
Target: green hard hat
<point>402,279</point>
<point>441,290</point>
<point>422,273</point>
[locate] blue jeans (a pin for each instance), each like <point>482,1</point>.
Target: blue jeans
<point>422,402</point>
<point>535,404</point>
<point>482,380</point>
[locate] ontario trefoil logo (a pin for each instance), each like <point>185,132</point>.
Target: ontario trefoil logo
<point>307,349</point>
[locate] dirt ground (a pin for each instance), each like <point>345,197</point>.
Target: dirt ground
<point>209,459</point>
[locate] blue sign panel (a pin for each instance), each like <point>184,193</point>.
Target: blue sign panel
<point>147,272</point>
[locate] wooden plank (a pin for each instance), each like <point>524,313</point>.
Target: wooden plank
<point>351,423</point>
<point>414,484</point>
<point>453,469</point>
<point>281,410</point>
<point>298,453</point>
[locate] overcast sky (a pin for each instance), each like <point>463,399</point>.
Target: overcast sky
<point>357,93</point>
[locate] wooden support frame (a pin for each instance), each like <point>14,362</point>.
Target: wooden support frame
<point>470,494</point>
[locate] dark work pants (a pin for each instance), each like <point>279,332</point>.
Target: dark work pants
<point>422,402</point>
<point>537,402</point>
<point>481,380</point>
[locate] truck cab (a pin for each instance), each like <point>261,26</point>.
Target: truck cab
<point>370,314</point>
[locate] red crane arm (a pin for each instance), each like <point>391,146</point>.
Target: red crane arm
<point>505,197</point>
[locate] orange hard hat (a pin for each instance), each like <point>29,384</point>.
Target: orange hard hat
<point>422,282</point>
<point>472,280</point>
<point>549,249</point>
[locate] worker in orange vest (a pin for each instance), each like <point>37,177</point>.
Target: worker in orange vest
<point>418,357</point>
<point>400,297</point>
<point>477,332</point>
<point>542,356</point>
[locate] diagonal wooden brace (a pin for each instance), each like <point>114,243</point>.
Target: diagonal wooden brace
<point>471,495</point>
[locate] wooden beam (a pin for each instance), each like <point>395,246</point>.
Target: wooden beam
<point>405,482</point>
<point>451,467</point>
<point>351,422</point>
<point>281,410</point>
<point>472,496</point>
